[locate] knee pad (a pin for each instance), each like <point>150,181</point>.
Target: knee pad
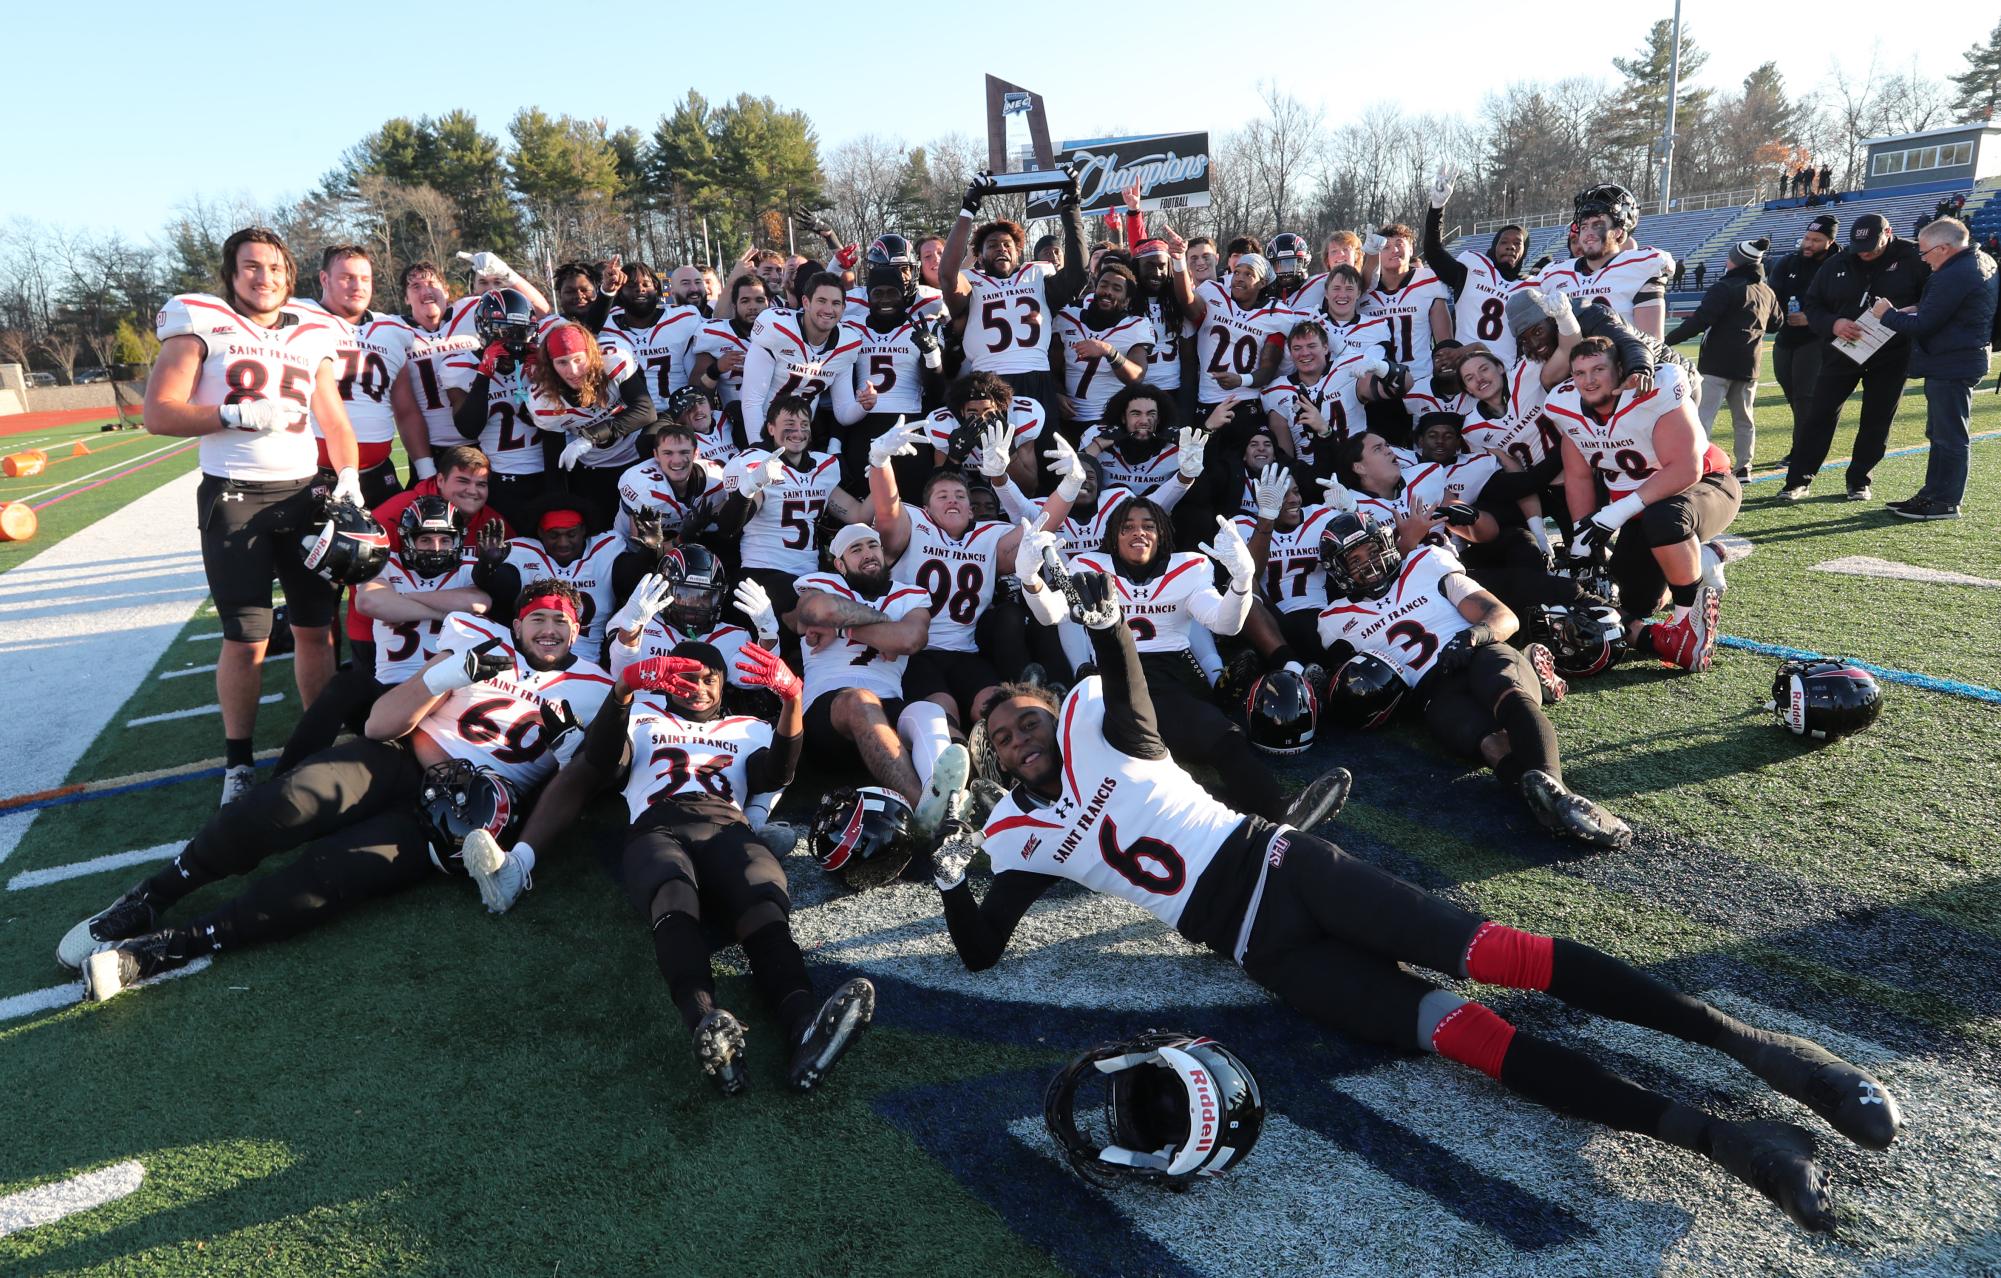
<point>1473,1035</point>
<point>244,623</point>
<point>675,896</point>
<point>1667,523</point>
<point>758,917</point>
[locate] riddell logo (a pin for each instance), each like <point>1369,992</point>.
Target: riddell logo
<point>1205,1102</point>
<point>1796,709</point>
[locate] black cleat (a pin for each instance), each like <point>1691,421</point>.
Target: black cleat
<point>115,969</point>
<point>719,1051</point>
<point>1853,1101</point>
<point>1572,815</point>
<point>834,1029</point>
<point>1776,1159</point>
<point>1321,800</point>
<point>129,916</point>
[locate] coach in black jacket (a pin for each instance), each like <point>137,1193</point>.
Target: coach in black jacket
<point>1877,265</point>
<point>1797,349</point>
<point>1736,313</point>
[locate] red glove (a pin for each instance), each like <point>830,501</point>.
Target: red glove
<point>490,362</point>
<point>762,668</point>
<point>660,674</point>
<point>848,256</point>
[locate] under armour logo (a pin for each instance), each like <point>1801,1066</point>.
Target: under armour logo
<point>232,497</point>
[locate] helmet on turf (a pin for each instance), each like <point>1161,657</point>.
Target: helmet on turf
<point>1175,1108</point>
<point>430,515</point>
<point>1360,555</point>
<point>1583,640</point>
<point>1364,693</point>
<point>507,317</point>
<point>1290,259</point>
<point>1822,697</point>
<point>347,547</point>
<point>686,398</point>
<point>1281,713</point>
<point>699,583</point>
<point>458,798</point>
<point>1611,199</point>
<point>863,837</point>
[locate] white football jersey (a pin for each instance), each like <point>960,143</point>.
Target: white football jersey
<point>659,638</point>
<point>245,361</point>
<point>1232,339</point>
<point>1008,321</point>
<point>1408,311</point>
<point>508,439</point>
<point>1024,415</point>
<point>1293,579</point>
<point>1141,830</point>
<point>790,366</point>
<point>1159,611</point>
<point>645,487</point>
<point>1621,448</point>
<point>498,724</point>
<point>1308,296</point>
<point>1163,366</point>
<point>402,647</point>
<point>779,534</point>
<point>1077,536</point>
<point>957,576</point>
<point>1423,397</point>
<point>1336,395</point>
<point>850,663</point>
<point>1524,431</point>
<point>673,757</point>
<point>556,414</point>
<point>892,364</point>
<point>368,356</point>
<point>1481,312</point>
<point>1435,484</point>
<point>431,350</point>
<point>660,348</point>
<point>1142,476</point>
<point>1363,335</point>
<point>1628,280</point>
<point>590,574</point>
<point>714,338</point>
<point>1088,382</point>
<point>1412,622</point>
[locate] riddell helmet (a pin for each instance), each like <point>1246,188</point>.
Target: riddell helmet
<point>1611,199</point>
<point>1281,713</point>
<point>1825,698</point>
<point>1372,578</point>
<point>863,837</point>
<point>1364,693</point>
<point>1583,641</point>
<point>1176,1108</point>
<point>507,317</point>
<point>1289,256</point>
<point>699,584</point>
<point>347,548</point>
<point>431,514</point>
<point>458,798</point>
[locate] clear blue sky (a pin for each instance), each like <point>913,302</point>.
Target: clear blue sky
<point>121,111</point>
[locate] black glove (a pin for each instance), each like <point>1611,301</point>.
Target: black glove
<point>925,337</point>
<point>601,434</point>
<point>1459,514</point>
<point>649,532</point>
<point>1093,606</point>
<point>976,191</point>
<point>1068,196</point>
<point>562,732</point>
<point>492,544</point>
<point>1459,650</point>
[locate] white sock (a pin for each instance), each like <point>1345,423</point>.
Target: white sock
<point>926,732</point>
<point>1681,612</point>
<point>526,855</point>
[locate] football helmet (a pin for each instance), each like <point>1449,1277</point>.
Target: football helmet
<point>1825,697</point>
<point>1584,641</point>
<point>894,253</point>
<point>863,837</point>
<point>1281,713</point>
<point>1377,570</point>
<point>458,798</point>
<point>699,584</point>
<point>1364,693</point>
<point>347,548</point>
<point>1611,199</point>
<point>431,514</point>
<point>505,316</point>
<point>1176,1108</point>
<point>1290,260</point>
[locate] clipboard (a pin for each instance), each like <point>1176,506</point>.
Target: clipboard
<point>1874,334</point>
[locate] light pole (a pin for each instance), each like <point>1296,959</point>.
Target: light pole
<point>1674,91</point>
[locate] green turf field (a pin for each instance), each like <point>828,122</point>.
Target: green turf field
<point>423,1088</point>
<point>74,492</point>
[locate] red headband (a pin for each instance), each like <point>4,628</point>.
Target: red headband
<point>567,339</point>
<point>554,603</point>
<point>560,519</point>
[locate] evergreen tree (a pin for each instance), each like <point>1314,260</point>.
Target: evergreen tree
<point>1977,90</point>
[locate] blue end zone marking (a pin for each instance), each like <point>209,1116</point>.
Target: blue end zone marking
<point>1899,452</point>
<point>84,796</point>
<point>1950,686</point>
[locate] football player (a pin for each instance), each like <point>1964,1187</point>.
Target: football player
<point>688,287</point>
<point>243,373</point>
<point>1479,281</point>
<point>1413,300</point>
<point>1315,409</point>
<point>561,547</point>
<point>900,373</point>
<point>777,499</point>
<point>682,488</point>
<point>893,253</point>
<point>1659,469</point>
<point>491,716</point>
<point>658,334</point>
<point>1138,446</point>
<point>372,351</point>
<point>1098,799</point>
<point>1348,330</point>
<point>681,601</point>
<point>719,350</point>
<point>1283,534</point>
<point>579,298</point>
<point>975,401</point>
<point>489,390</point>
<point>1239,333</point>
<point>800,353</point>
<point>595,402</point>
<point>1609,266</point>
<point>440,328</point>
<point>1171,329</point>
<point>1102,346</point>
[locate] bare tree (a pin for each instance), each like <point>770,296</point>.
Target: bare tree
<point>1913,102</point>
<point>1281,156</point>
<point>15,346</point>
<point>865,186</point>
<point>60,345</point>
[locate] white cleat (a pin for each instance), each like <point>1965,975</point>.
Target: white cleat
<point>1713,560</point>
<point>947,779</point>
<point>237,782</point>
<point>500,877</point>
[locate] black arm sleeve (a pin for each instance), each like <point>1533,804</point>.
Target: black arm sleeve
<point>470,416</point>
<point>604,740</point>
<point>503,586</point>
<point>981,929</point>
<point>772,768</point>
<point>1635,356</point>
<point>1069,283</point>
<point>637,414</point>
<point>1445,266</point>
<point>1130,727</point>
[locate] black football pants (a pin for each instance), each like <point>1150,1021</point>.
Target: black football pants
<point>1882,381</point>
<point>1496,689</point>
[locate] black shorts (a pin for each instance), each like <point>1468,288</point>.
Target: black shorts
<point>965,675</point>
<point>250,532</point>
<point>1459,707</point>
<point>822,735</point>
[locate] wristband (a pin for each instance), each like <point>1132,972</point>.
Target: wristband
<point>1178,266</point>
<point>1480,635</point>
<point>1616,514</point>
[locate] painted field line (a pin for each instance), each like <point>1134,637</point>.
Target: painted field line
<point>144,719</point>
<point>46,1204</point>
<point>133,470</point>
<point>1890,569</point>
<point>1952,687</point>
<point>56,996</point>
<point>207,638</point>
<point>131,782</point>
<point>123,461</point>
<point>210,669</point>
<point>1895,452</point>
<point>96,865</point>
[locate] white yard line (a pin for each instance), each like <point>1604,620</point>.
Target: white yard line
<point>96,865</point>
<point>55,996</point>
<point>46,1204</point>
<point>210,668</point>
<point>117,465</point>
<point>196,711</point>
<point>1890,569</point>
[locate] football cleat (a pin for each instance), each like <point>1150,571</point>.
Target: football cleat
<point>948,777</point>
<point>1864,493</point>
<point>1853,1101</point>
<point>1561,812</point>
<point>113,970</point>
<point>237,782</point>
<point>1776,1159</point>
<point>840,1020</point>
<point>1553,686</point>
<point>1691,642</point>
<point>128,916</point>
<point>499,875</point>
<point>1792,493</point>
<point>1321,800</point>
<point>719,1051</point>
<point>780,836</point>
<point>982,796</point>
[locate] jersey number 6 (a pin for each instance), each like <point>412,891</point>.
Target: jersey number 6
<point>1148,863</point>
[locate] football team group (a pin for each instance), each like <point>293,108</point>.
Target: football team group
<point>1047,554</point>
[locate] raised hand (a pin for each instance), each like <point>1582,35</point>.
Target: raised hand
<point>763,668</point>
<point>562,731</point>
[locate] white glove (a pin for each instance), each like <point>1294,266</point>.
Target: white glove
<point>487,265</point>
<point>758,474</point>
<point>899,440</point>
<point>1269,490</point>
<point>648,598</point>
<point>1188,458</point>
<point>1064,463</point>
<point>1374,366</point>
<point>1559,310</point>
<point>1373,245</point>
<point>949,862</point>
<point>1337,344</point>
<point>262,416</point>
<point>1229,550</point>
<point>1613,517</point>
<point>475,665</point>
<point>422,468</point>
<point>347,487</point>
<point>996,448</point>
<point>755,604</point>
<point>1441,186</point>
<point>1028,551</point>
<point>573,452</point>
<point>1334,493</point>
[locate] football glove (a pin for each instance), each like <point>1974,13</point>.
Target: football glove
<point>899,440</point>
<point>487,266</point>
<point>762,668</point>
<point>475,665</point>
<point>1188,459</point>
<point>759,473</point>
<point>1066,466</point>
<point>1335,493</point>
<point>1229,550</point>
<point>1093,603</point>
<point>573,452</point>
<point>496,362</point>
<point>1268,489</point>
<point>1459,649</point>
<point>262,416</point>
<point>753,601</point>
<point>493,545</point>
<point>924,336</point>
<point>996,447</point>
<point>1373,246</point>
<point>562,732</point>
<point>1441,185</point>
<point>954,855</point>
<point>648,598</point>
<point>347,488</point>
<point>660,674</point>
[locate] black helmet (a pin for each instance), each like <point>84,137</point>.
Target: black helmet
<point>507,317</point>
<point>1611,199</point>
<point>347,548</point>
<point>431,514</point>
<point>1281,713</point>
<point>1289,255</point>
<point>863,837</point>
<point>1823,697</point>
<point>458,798</point>
<point>1345,532</point>
<point>699,584</point>
<point>1583,640</point>
<point>894,253</point>
<point>1364,693</point>
<point>1176,1108</point>
<point>686,398</point>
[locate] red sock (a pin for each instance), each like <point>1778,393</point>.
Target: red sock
<point>1473,1035</point>
<point>1500,955</point>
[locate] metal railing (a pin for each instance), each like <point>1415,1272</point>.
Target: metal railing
<point>1678,204</point>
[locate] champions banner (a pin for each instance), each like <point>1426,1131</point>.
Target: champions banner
<point>1172,168</point>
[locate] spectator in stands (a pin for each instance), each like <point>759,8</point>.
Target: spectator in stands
<point>1796,351</point>
<point>1701,270</point>
<point>1826,179</point>
<point>1680,270</point>
<point>1736,313</point>
<point>1952,327</point>
<point>1877,264</point>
